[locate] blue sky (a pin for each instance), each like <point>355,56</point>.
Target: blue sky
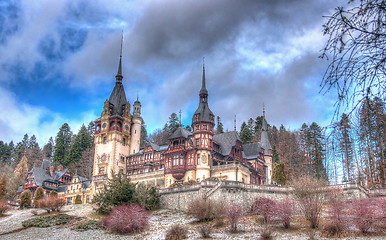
<point>58,61</point>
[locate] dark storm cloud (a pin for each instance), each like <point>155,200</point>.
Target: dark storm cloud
<point>176,34</point>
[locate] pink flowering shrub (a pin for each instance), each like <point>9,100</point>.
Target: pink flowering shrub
<point>265,207</point>
<point>282,211</point>
<point>126,219</point>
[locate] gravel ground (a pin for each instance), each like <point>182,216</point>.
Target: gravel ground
<point>159,222</point>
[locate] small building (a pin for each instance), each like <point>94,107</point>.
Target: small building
<point>77,186</point>
<point>47,178</point>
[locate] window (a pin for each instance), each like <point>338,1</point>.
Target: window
<point>124,142</point>
<point>101,171</point>
<point>198,159</point>
<point>181,160</point>
<point>104,158</point>
<point>104,140</point>
<point>87,198</point>
<point>197,142</point>
<point>122,159</point>
<point>69,201</point>
<point>205,127</point>
<point>175,160</point>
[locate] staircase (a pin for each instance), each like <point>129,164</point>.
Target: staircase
<point>210,192</point>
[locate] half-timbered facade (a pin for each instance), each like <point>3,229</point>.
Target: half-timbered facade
<point>202,154</point>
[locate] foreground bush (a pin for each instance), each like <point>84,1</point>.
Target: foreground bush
<point>126,219</point>
<point>176,232</point>
<point>25,199</point>
<point>337,218</point>
<point>121,191</point>
<point>234,212</point>
<point>265,207</point>
<point>4,207</point>
<point>39,194</point>
<point>205,210</point>
<point>48,221</point>
<point>78,199</point>
<point>363,214</point>
<point>52,203</point>
<point>205,230</point>
<point>283,212</point>
<point>309,194</point>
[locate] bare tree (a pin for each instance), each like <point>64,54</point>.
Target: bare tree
<point>356,47</point>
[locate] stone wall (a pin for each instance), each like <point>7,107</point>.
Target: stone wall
<point>237,192</point>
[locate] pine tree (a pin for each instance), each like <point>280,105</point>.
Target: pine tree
<point>39,194</point>
<point>21,148</point>
<point>81,143</point>
<point>220,127</point>
<point>62,144</point>
<point>173,123</point>
<point>48,149</point>
<point>278,174</point>
<point>3,186</point>
<point>21,169</point>
<point>346,147</point>
<point>245,134</point>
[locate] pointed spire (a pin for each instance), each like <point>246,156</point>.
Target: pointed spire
<point>265,125</point>
<point>203,92</point>
<point>119,76</point>
<point>235,124</point>
<point>137,94</point>
<point>263,111</point>
<point>180,119</point>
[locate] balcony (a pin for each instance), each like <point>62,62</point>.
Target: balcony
<point>178,171</point>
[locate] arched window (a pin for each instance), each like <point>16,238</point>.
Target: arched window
<point>112,124</point>
<point>119,125</point>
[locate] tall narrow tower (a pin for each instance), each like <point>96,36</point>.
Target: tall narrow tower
<point>112,134</point>
<point>136,127</point>
<point>266,145</point>
<point>203,131</point>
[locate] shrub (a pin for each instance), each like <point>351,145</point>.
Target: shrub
<point>4,207</point>
<point>337,214</point>
<point>25,199</point>
<point>202,209</point>
<point>362,214</point>
<point>380,213</point>
<point>48,221</point>
<point>265,207</point>
<point>234,213</point>
<point>53,194</point>
<point>266,233</point>
<point>309,194</point>
<point>126,219</point>
<point>52,203</point>
<point>78,199</point>
<point>190,182</point>
<point>118,191</point>
<point>176,232</point>
<point>39,194</point>
<point>3,186</point>
<point>205,230</point>
<point>283,211</point>
<point>148,197</point>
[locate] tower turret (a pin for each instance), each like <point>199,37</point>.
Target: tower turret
<point>266,145</point>
<point>136,127</point>
<point>203,131</point>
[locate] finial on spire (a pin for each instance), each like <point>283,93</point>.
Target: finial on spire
<point>263,110</point>
<point>203,92</point>
<point>137,94</point>
<point>119,76</point>
<point>180,119</point>
<point>235,123</point>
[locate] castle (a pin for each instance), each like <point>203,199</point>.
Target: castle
<point>190,156</point>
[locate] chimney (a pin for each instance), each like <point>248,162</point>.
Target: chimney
<point>60,168</point>
<point>51,171</point>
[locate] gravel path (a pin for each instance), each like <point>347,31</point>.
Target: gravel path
<point>159,222</point>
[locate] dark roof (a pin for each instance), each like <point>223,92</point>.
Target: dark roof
<point>180,132</point>
<point>226,141</point>
<point>45,164</point>
<point>59,174</point>
<point>204,112</point>
<point>264,137</point>
<point>251,150</point>
<point>118,99</point>
<point>40,175</point>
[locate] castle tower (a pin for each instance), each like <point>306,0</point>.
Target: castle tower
<point>203,131</point>
<point>266,145</point>
<point>136,127</point>
<point>113,134</point>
